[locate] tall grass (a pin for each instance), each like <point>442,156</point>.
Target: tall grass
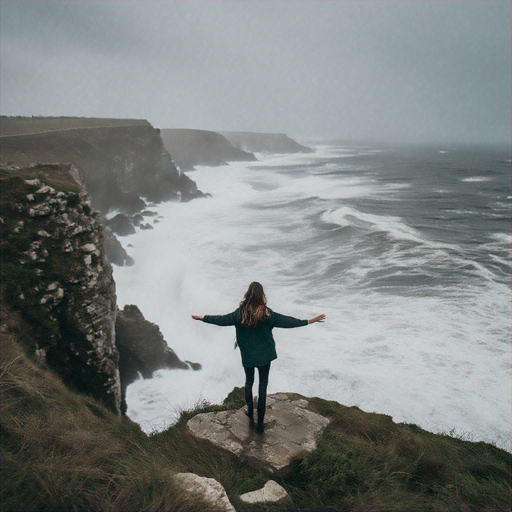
<point>65,452</point>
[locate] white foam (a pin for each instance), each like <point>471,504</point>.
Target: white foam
<point>477,179</point>
<point>502,237</point>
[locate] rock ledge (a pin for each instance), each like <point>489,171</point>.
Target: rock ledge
<point>290,433</point>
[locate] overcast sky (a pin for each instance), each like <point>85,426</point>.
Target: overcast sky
<point>395,70</point>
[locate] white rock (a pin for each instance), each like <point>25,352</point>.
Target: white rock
<point>35,182</point>
<point>88,260</point>
<point>89,248</point>
<point>208,489</point>
<point>52,286</point>
<point>45,189</point>
<point>43,233</point>
<point>30,197</point>
<point>39,211</point>
<point>272,492</point>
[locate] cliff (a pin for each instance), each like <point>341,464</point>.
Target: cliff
<point>265,142</point>
<point>123,162</point>
<point>56,278</point>
<point>199,147</point>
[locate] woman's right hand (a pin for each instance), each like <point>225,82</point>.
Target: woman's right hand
<point>197,317</point>
<point>319,318</point>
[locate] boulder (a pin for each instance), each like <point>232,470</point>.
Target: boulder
<point>206,489</point>
<point>291,430</point>
<point>120,225</point>
<point>136,219</point>
<point>272,492</point>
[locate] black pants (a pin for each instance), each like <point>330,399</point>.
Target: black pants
<point>263,372</point>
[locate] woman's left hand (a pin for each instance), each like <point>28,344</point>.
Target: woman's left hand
<point>197,317</point>
<point>319,318</point>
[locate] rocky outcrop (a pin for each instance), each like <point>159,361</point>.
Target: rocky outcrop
<point>123,165</point>
<point>55,273</point>
<point>142,349</point>
<point>120,225</point>
<point>206,490</point>
<point>114,251</point>
<point>290,433</point>
<point>265,142</point>
<point>200,147</point>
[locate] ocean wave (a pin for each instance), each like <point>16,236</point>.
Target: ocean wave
<point>502,237</point>
<point>347,216</point>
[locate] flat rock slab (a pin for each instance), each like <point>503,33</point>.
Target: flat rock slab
<point>291,430</point>
<point>207,489</point>
<point>272,492</point>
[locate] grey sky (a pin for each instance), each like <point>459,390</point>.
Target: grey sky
<point>396,70</point>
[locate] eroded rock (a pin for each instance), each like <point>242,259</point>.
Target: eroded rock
<point>290,433</point>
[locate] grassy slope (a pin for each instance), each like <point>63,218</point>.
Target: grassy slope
<point>64,451</point>
<point>366,462</point>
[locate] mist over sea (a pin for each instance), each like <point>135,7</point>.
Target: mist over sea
<point>406,249</point>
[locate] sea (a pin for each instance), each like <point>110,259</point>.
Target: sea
<point>406,249</point>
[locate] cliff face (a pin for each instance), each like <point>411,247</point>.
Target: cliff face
<point>199,147</point>
<point>56,275</point>
<point>265,142</point>
<point>122,165</point>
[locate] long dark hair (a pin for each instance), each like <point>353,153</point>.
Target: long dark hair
<point>253,307</point>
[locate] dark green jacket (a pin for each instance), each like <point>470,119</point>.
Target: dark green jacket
<point>257,344</point>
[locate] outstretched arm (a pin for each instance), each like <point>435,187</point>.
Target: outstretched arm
<point>222,320</point>
<point>319,318</point>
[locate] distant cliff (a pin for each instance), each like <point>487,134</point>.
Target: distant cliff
<point>58,288</point>
<point>123,162</point>
<point>265,142</point>
<point>199,147</point>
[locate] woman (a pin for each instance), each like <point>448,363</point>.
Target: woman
<point>254,322</point>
